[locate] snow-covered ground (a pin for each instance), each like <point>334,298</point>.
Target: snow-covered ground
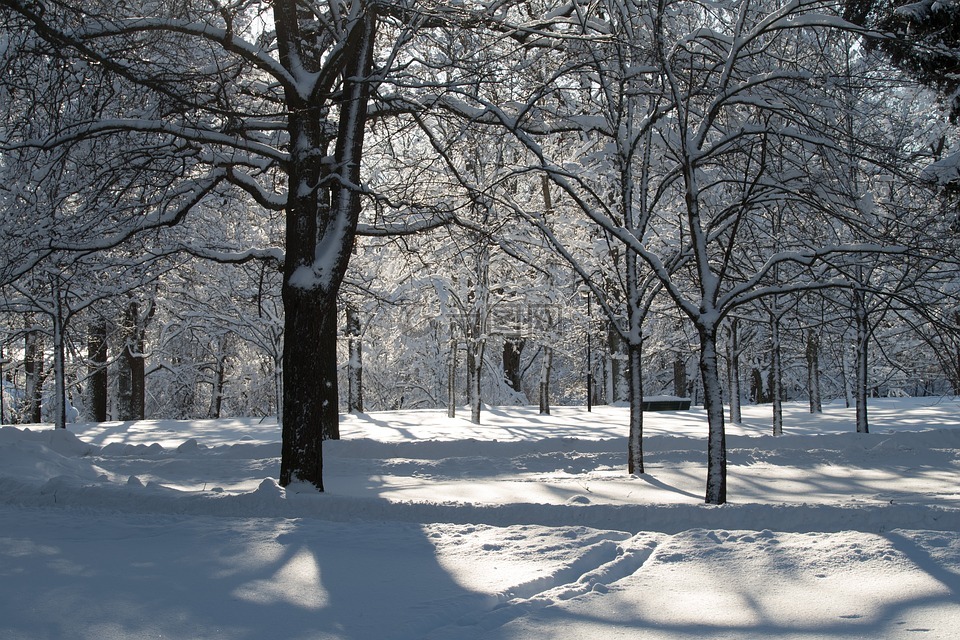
<point>524,527</point>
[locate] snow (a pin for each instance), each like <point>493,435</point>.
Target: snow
<point>525,526</point>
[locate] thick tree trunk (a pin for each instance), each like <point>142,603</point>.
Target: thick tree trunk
<point>310,402</point>
<point>635,437</point>
<point>354,361</point>
<point>323,208</point>
<point>813,371</point>
<point>97,369</point>
<point>716,492</point>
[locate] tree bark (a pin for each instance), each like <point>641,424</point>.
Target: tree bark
<point>733,371</point>
<point>716,492</point>
<point>97,368</point>
<point>131,363</point>
<point>322,213</point>
<point>635,437</point>
<point>776,375</point>
<point>546,367</point>
<point>861,322</point>
<point>33,368</point>
<point>354,361</point>
<point>813,371</point>
<point>512,351</point>
<point>452,374</point>
<point>679,377</point>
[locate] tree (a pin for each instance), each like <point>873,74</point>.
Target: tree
<point>273,101</point>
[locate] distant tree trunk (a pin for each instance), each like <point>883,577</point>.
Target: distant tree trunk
<point>33,368</point>
<point>813,371</point>
<point>216,393</point>
<point>97,368</point>
<point>679,376</point>
<point>733,371</point>
<point>59,359</point>
<point>475,348</point>
<point>635,438</point>
<point>512,350</point>
<point>452,375</point>
<point>546,366</point>
<point>861,321</point>
<point>354,361</point>
<point>776,375</point>
<point>131,363</point>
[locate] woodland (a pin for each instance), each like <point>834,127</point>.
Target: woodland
<point>302,208</point>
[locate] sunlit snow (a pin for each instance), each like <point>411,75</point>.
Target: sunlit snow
<point>522,527</point>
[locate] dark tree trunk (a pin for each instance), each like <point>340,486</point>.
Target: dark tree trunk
<point>716,492</point>
<point>733,371</point>
<point>97,369</point>
<point>679,377</point>
<point>33,368</point>
<point>813,371</point>
<point>546,367</point>
<point>512,350</point>
<point>131,363</point>
<point>323,209</point>
<point>310,402</point>
<point>861,321</point>
<point>635,437</point>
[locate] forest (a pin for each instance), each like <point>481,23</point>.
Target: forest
<point>304,208</point>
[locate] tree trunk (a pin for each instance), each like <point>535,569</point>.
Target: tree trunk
<point>216,393</point>
<point>33,368</point>
<point>813,371</point>
<point>776,376</point>
<point>131,364</point>
<point>635,438</point>
<point>733,371</point>
<point>97,369</point>
<point>616,388</point>
<point>512,350</point>
<point>59,361</point>
<point>322,211</point>
<point>475,349</point>
<point>546,366</point>
<point>354,361</point>
<point>861,321</point>
<point>452,374</point>
<point>679,377</point>
<point>716,492</point>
